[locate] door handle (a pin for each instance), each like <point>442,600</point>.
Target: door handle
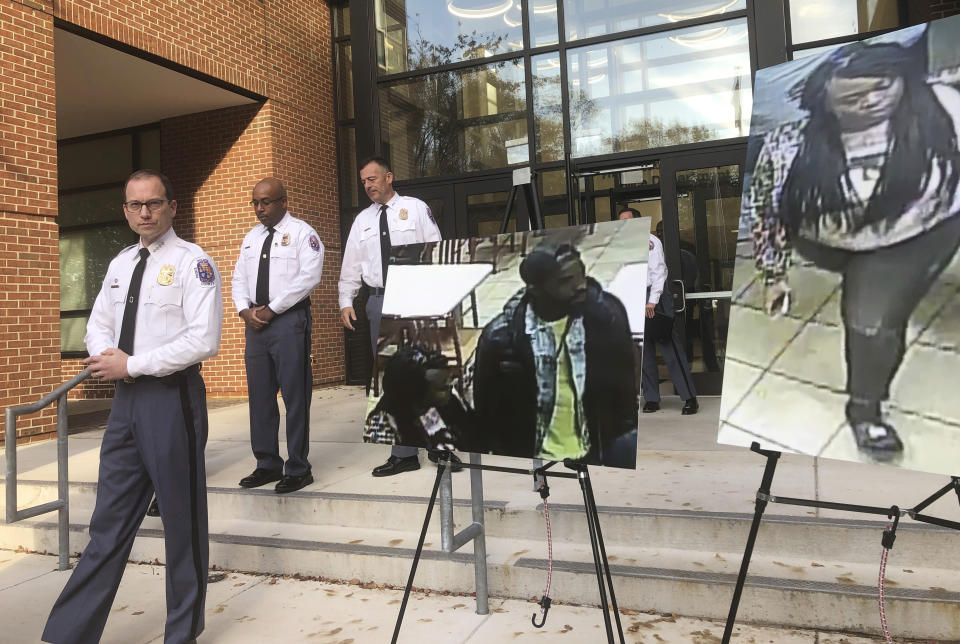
<point>683,297</point>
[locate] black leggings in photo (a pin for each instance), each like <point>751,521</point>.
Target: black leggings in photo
<point>880,290</point>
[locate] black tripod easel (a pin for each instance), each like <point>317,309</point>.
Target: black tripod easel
<point>764,497</point>
<point>523,180</point>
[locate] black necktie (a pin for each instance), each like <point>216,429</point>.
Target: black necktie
<point>384,243</point>
<point>263,273</point>
<point>129,324</point>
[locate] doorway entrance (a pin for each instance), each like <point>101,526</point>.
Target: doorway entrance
<point>693,202</point>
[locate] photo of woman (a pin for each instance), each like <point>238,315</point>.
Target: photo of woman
<point>865,185</point>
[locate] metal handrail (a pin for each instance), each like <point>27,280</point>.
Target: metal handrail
<point>62,504</point>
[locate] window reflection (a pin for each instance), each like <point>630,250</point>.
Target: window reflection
<point>812,20</point>
<point>543,22</point>
<point>589,18</point>
<point>416,34</point>
<point>685,86</point>
<point>547,107</point>
<point>457,121</point>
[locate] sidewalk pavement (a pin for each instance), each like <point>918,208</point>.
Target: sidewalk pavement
<point>262,608</point>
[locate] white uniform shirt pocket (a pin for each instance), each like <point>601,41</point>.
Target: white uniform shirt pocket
<point>283,265</point>
<point>162,310</point>
<point>404,231</point>
<point>370,245</point>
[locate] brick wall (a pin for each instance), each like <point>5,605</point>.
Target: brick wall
<point>944,8</point>
<point>279,49</point>
<point>29,267</point>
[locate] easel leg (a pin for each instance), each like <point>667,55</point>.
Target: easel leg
<point>592,526</point>
<point>760,506</point>
<point>416,557</point>
<point>603,554</point>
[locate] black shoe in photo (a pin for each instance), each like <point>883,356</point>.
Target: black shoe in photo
<point>260,476</point>
<point>293,483</point>
<point>878,440</point>
<point>650,407</point>
<point>455,465</point>
<point>154,509</point>
<point>691,406</point>
<point>397,465</point>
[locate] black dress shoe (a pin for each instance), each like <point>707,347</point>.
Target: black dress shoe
<point>154,509</point>
<point>650,407</point>
<point>397,465</point>
<point>293,483</point>
<point>261,476</point>
<point>455,465</point>
<point>878,440</point>
<point>690,407</point>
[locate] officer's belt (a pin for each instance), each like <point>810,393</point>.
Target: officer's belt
<point>302,304</point>
<point>169,379</point>
<point>373,290</point>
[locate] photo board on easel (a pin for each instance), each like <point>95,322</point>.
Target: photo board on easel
<point>845,324</point>
<point>522,344</point>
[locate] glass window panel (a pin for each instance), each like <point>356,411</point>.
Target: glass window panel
<point>601,208</point>
<point>665,89</point>
<point>813,51</point>
<point>543,22</point>
<point>485,214</point>
<point>84,257</point>
<point>349,172</point>
<point>72,332</point>
<point>457,121</point>
<point>588,18</point>
<point>94,161</point>
<point>150,155</point>
<point>344,81</point>
<point>819,19</point>
<point>341,21</point>
<point>547,107</point>
<point>416,34</point>
<point>91,207</point>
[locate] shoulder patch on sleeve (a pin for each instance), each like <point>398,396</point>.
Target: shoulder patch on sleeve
<point>315,243</point>
<point>430,215</point>
<point>204,272</point>
<point>651,244</point>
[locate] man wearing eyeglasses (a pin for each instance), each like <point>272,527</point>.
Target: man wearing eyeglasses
<point>280,263</point>
<point>156,318</point>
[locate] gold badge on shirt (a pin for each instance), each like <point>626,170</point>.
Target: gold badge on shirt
<point>165,276</point>
<point>403,213</point>
<point>286,239</point>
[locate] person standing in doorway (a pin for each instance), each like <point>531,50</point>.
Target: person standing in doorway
<point>660,301</point>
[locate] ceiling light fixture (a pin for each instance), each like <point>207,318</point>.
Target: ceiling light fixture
<point>488,12</point>
<point>680,17</point>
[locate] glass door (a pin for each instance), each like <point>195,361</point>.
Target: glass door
<point>701,214</point>
<point>482,204</point>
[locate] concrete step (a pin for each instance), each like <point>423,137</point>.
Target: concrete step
<point>818,538</point>
<point>922,602</point>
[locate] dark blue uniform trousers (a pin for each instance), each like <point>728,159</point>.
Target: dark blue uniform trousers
<point>278,358</point>
<point>374,310</point>
<point>153,443</point>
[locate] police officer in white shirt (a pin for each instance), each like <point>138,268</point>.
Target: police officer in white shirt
<point>660,300</point>
<point>156,318</point>
<point>391,220</point>
<point>280,263</point>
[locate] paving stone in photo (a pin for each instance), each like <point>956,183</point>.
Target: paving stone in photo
<point>925,384</point>
<point>755,338</point>
<point>816,355</point>
<point>737,380</point>
<point>811,287</point>
<point>943,330</point>
<point>791,413</point>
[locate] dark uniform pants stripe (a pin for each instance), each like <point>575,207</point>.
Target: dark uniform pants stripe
<point>198,564</point>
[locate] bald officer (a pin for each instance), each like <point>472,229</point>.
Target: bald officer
<point>156,318</point>
<point>280,263</point>
<point>391,220</point>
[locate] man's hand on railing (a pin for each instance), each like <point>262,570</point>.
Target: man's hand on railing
<point>109,365</point>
